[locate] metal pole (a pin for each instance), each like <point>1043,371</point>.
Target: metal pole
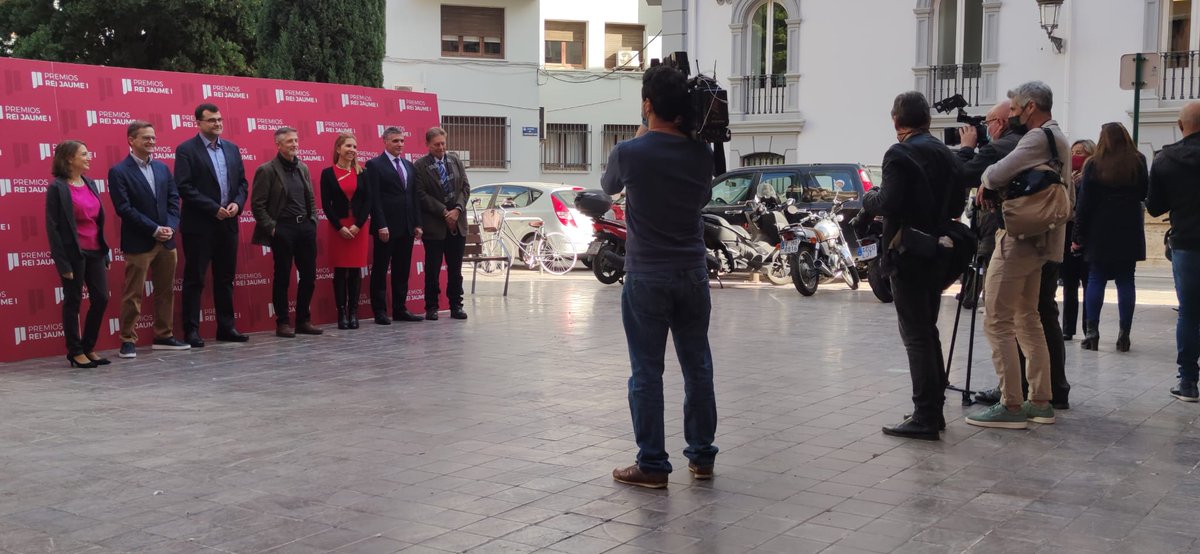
<point>1137,95</point>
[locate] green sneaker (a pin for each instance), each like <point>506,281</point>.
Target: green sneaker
<point>998,417</point>
<point>1044,415</point>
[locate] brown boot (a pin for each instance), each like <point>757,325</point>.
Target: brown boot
<point>306,328</point>
<point>284,330</point>
<point>633,475</point>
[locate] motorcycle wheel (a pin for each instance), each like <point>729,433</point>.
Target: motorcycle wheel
<point>605,272</point>
<point>804,273</point>
<point>779,271</point>
<point>881,286</point>
<point>850,275</point>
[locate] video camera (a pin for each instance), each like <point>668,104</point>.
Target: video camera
<point>707,119</point>
<point>951,136</point>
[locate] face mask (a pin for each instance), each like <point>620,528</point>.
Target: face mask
<point>1015,125</point>
<point>1077,162</point>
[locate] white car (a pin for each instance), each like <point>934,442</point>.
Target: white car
<point>524,202</point>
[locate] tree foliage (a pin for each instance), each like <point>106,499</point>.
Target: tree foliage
<point>204,36</point>
<point>331,41</point>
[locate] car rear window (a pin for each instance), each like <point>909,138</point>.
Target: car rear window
<point>566,196</point>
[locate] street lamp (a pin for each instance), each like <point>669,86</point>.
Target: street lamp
<point>1049,20</point>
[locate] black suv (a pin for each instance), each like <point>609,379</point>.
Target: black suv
<point>813,186</point>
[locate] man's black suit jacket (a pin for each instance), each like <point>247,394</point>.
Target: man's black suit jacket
<point>393,207</point>
<point>198,186</point>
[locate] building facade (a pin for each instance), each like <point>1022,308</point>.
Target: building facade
<point>528,90</point>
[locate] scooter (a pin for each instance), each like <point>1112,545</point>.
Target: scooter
<point>607,250</point>
<point>754,249</point>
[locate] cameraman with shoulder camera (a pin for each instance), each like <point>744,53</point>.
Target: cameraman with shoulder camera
<point>666,177</point>
<point>922,189</point>
<point>1015,272</point>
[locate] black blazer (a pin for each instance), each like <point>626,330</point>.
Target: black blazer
<point>1109,220</point>
<point>60,225</point>
<point>143,213</point>
<point>391,204</point>
<point>198,186</point>
<point>337,206</point>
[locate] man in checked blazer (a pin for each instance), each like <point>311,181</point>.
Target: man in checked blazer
<point>443,194</point>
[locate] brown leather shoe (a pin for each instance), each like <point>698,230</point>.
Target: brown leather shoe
<point>284,330</point>
<point>701,472</point>
<point>633,475</point>
<point>307,328</point>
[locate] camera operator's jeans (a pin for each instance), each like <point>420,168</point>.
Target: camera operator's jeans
<point>1013,285</point>
<point>1186,266</point>
<point>651,304</point>
<point>917,293</point>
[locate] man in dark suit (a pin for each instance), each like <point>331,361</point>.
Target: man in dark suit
<point>395,223</point>
<point>285,219</point>
<point>212,183</point>
<point>144,196</point>
<point>443,196</point>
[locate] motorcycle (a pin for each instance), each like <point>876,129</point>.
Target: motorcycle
<point>607,250</point>
<point>819,252</point>
<point>754,249</point>
<point>867,259</point>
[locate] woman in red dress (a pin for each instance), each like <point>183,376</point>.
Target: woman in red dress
<point>347,206</point>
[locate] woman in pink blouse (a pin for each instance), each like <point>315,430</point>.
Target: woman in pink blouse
<point>75,227</point>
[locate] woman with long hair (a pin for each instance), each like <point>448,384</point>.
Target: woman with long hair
<point>347,203</point>
<point>1073,270</point>
<point>75,228</point>
<point>1110,228</point>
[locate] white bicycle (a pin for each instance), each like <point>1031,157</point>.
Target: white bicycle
<point>550,252</point>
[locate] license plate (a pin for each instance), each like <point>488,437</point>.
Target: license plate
<point>867,252</point>
<point>593,248</point>
<point>791,246</point>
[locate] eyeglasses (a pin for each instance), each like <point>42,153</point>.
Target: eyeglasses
<point>991,121</point>
<point>213,120</point>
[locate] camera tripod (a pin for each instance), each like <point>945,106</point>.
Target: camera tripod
<point>975,272</point>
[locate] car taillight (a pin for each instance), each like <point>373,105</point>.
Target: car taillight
<point>560,210</point>
<point>866,179</point>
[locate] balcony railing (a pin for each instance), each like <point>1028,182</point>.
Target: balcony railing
<point>948,80</point>
<point>764,94</point>
<point>1180,79</point>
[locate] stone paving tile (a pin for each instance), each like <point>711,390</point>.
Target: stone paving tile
<point>498,435</point>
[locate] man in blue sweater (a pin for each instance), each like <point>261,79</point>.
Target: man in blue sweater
<point>666,178</point>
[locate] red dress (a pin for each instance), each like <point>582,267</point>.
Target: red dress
<point>347,252</point>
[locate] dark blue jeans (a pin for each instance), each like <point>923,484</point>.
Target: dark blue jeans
<point>1186,266</point>
<point>653,303</point>
<point>1099,274</point>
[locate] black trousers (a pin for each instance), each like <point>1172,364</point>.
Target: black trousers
<point>1074,273</point>
<point>216,245</point>
<point>294,243</point>
<point>451,248</point>
<point>396,253</point>
<point>90,272</point>
<point>1048,312</point>
<point>918,300</point>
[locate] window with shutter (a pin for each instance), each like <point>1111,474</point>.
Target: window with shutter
<point>622,46</point>
<point>472,32</point>
<point>566,44</point>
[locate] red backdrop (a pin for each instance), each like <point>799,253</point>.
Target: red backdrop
<point>47,102</point>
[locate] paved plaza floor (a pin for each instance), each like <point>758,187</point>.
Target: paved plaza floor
<point>499,434</point>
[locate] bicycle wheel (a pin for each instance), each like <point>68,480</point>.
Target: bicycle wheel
<point>494,248</point>
<point>555,253</point>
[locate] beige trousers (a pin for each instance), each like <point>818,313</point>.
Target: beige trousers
<point>1011,290</point>
<point>160,262</point>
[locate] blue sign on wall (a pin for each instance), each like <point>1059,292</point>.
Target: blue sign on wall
<point>529,131</point>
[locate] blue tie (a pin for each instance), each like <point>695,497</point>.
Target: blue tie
<point>441,167</point>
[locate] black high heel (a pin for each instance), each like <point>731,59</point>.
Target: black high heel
<point>96,359</point>
<point>76,363</point>
<point>1123,340</point>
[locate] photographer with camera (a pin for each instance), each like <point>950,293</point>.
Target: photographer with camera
<point>922,191</point>
<point>987,222</point>
<point>1033,179</point>
<point>666,177</point>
